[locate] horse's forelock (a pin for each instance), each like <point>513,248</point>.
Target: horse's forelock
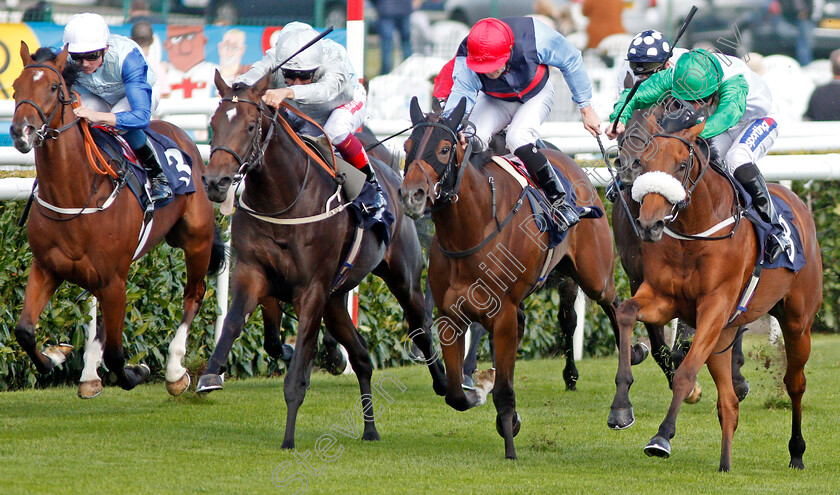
<point>71,71</point>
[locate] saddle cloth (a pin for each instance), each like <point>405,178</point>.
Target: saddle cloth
<point>177,165</point>
<point>539,203</point>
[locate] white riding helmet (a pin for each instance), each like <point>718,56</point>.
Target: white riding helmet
<point>293,36</point>
<point>86,32</point>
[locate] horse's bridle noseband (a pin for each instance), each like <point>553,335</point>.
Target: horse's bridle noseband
<point>692,158</point>
<point>46,132</point>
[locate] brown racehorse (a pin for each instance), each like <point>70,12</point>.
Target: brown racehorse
<point>701,282</point>
<point>486,258</point>
<point>290,246</point>
<point>95,250</point>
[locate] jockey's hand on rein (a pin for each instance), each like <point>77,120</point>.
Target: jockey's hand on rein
<point>275,97</point>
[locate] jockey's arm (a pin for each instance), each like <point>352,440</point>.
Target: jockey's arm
<point>465,84</point>
<point>258,69</point>
<point>555,50</point>
<point>733,101</point>
<point>138,92</point>
<point>650,91</point>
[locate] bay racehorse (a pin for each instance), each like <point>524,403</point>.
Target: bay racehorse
<point>632,144</point>
<point>487,255</point>
<point>698,273</point>
<point>292,240</point>
<point>84,231</point>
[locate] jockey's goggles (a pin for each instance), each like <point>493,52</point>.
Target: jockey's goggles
<point>303,75</point>
<point>89,56</point>
<point>644,68</point>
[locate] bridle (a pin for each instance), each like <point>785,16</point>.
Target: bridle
<point>255,151</point>
<point>445,190</point>
<point>46,132</point>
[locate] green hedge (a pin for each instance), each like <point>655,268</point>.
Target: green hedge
<point>154,309</point>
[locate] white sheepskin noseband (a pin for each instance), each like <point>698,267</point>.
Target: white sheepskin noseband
<point>659,183</point>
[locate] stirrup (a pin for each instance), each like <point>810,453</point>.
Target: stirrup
<point>159,190</point>
<point>564,214</point>
<point>378,199</point>
<point>776,246</point>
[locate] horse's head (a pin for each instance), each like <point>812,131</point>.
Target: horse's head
<point>670,168</point>
<point>432,159</point>
<point>40,92</point>
<point>237,134</point>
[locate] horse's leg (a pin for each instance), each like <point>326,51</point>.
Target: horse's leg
<point>248,287</point>
<point>272,325</point>
<point>471,359</point>
<point>739,382</point>
<point>682,343</point>
<point>567,319</point>
<point>112,304</point>
<point>621,411</point>
<point>661,352</point>
<point>402,277</point>
<point>711,317</point>
<point>90,385</point>
<point>797,350</point>
<point>506,329</point>
<point>309,306</point>
<point>341,327</point>
<point>39,288</point>
<point>452,347</point>
<point>720,368</point>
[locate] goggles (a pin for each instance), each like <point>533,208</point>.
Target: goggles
<point>303,75</point>
<point>89,56</point>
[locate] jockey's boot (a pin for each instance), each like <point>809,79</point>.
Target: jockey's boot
<point>379,199</point>
<point>750,177</point>
<point>565,214</point>
<point>160,186</point>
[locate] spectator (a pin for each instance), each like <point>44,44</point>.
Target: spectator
<point>800,13</point>
<point>558,18</point>
<point>825,100</point>
<point>40,12</point>
<point>143,34</point>
<point>139,11</point>
<point>604,19</point>
<point>394,16</point>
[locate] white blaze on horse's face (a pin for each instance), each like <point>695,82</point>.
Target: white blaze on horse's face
<point>38,75</point>
<point>231,114</point>
<point>660,183</point>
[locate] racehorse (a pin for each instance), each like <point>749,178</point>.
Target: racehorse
<point>487,255</point>
<point>289,248</point>
<point>78,234</point>
<point>698,272</point>
<point>632,142</point>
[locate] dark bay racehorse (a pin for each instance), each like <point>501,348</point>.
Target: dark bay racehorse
<point>292,240</point>
<point>487,256</point>
<point>701,282</point>
<point>77,234</point>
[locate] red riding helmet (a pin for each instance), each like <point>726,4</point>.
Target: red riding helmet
<point>488,45</point>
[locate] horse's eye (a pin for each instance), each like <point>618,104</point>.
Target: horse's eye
<point>251,128</point>
<point>53,88</point>
<point>445,150</point>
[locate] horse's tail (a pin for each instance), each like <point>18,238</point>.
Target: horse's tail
<point>218,253</point>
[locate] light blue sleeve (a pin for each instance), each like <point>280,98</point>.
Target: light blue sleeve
<point>465,84</point>
<point>555,50</point>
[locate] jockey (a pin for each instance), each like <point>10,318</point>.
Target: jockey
<point>116,88</point>
<point>321,81</point>
<point>741,126</point>
<point>646,54</point>
<point>502,71</point>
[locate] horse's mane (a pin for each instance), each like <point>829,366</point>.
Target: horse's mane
<point>71,71</point>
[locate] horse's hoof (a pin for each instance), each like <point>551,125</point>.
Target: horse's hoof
<point>483,382</point>
<point>142,371</point>
<point>694,396</point>
<point>371,436</point>
<point>468,383</point>
<point>333,361</point>
<point>571,378</point>
<point>621,418</point>
<point>58,353</point>
<point>796,464</point>
<point>286,354</point>
<point>742,390</point>
<point>640,353</point>
<point>517,424</point>
<point>178,387</point>
<point>209,383</point>
<point>658,447</point>
<point>90,389</point>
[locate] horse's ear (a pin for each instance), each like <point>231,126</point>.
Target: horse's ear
<point>24,53</point>
<point>262,84</point>
<point>415,112</point>
<point>457,114</point>
<point>221,85</point>
<point>61,59</point>
<point>694,131</point>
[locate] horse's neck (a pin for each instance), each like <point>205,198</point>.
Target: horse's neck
<point>712,201</point>
<point>65,176</point>
<point>461,224</point>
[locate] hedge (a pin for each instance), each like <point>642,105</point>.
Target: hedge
<point>154,309</point>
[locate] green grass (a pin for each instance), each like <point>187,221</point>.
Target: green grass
<point>229,442</point>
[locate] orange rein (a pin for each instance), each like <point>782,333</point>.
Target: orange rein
<point>92,151</point>
<point>330,169</point>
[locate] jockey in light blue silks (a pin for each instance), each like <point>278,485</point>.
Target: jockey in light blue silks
<point>116,88</point>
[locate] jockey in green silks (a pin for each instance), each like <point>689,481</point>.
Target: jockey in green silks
<point>741,126</point>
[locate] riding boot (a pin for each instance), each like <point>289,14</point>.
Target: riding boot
<point>564,214</point>
<point>160,186</point>
<point>379,198</point>
<point>750,177</point>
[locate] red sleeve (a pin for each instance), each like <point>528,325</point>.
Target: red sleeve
<point>443,81</point>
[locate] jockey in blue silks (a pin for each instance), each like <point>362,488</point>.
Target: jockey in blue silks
<point>116,88</point>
